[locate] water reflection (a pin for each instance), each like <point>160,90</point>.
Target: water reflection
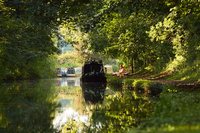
<point>41,106</point>
<point>123,110</point>
<point>69,81</point>
<point>74,106</point>
<point>27,107</point>
<point>93,92</point>
<point>48,106</point>
<point>71,107</point>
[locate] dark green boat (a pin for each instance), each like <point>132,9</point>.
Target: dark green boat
<point>93,71</point>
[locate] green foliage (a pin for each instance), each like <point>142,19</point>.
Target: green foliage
<point>73,35</point>
<point>147,87</point>
<point>127,84</point>
<point>71,126</point>
<point>69,59</point>
<point>179,28</point>
<point>38,68</point>
<point>189,73</point>
<point>42,68</point>
<point>172,111</point>
<point>27,105</point>
<point>175,111</point>
<point>26,31</point>
<point>121,33</point>
<point>146,35</point>
<point>120,112</point>
<point>114,82</point>
<point>22,42</point>
<point>153,35</point>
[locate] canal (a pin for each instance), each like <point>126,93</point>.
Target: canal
<point>65,105</point>
<point>47,105</point>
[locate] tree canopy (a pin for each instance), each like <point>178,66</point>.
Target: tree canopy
<point>151,35</point>
<point>26,33</point>
<point>148,35</point>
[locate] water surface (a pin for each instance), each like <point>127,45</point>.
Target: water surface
<point>45,105</point>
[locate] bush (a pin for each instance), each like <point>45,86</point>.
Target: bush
<point>147,87</point>
<point>127,84</point>
<point>69,59</point>
<point>41,67</point>
<point>114,82</point>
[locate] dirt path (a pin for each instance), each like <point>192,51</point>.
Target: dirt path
<point>161,78</point>
<point>179,83</point>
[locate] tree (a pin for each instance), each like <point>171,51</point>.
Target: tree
<point>180,29</point>
<point>26,35</point>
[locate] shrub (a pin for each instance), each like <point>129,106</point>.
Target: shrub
<point>127,84</point>
<point>114,82</point>
<point>147,87</point>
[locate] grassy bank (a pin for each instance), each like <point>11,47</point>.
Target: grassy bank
<point>147,106</point>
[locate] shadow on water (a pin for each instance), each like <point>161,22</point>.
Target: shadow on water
<point>93,92</point>
<point>27,107</point>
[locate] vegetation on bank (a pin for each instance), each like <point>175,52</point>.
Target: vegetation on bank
<point>38,68</point>
<point>69,59</point>
<point>146,106</point>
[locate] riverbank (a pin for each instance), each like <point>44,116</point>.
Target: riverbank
<point>163,78</point>
<point>173,108</point>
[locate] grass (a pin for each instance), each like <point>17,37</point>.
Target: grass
<point>189,73</point>
<point>175,110</point>
<point>114,82</point>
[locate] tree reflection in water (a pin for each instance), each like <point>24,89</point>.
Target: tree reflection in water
<point>120,112</point>
<point>112,113</point>
<point>27,107</point>
<point>93,95</point>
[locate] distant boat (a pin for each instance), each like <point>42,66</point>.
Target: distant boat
<point>69,72</point>
<point>61,72</point>
<point>93,71</point>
